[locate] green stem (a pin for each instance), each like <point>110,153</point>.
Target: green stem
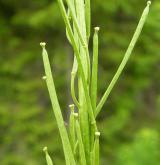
<point>79,32</point>
<point>125,59</point>
<point>86,92</point>
<point>83,110</point>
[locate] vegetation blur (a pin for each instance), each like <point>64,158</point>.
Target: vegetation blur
<point>129,122</point>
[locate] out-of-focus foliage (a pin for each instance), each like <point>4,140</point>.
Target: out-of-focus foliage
<point>27,123</point>
<point>144,149</point>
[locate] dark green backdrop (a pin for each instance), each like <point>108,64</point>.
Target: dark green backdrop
<point>129,122</point>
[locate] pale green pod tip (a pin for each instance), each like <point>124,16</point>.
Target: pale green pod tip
<point>84,46</point>
<point>43,44</point>
<point>149,3</point>
<point>44,77</point>
<point>75,115</point>
<point>73,73</point>
<point>97,29</point>
<point>72,106</point>
<point>97,134</point>
<point>45,149</point>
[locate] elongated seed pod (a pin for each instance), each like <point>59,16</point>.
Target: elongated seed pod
<point>73,74</point>
<point>48,158</point>
<point>83,114</point>
<point>126,57</point>
<point>88,17</point>
<point>95,151</point>
<point>72,127</point>
<point>76,147</point>
<point>67,35</point>
<point>79,61</point>
<point>80,142</point>
<point>94,79</point>
<point>94,70</point>
<point>80,31</point>
<point>56,107</point>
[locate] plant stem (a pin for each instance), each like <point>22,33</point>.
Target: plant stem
<point>80,67</point>
<point>81,30</point>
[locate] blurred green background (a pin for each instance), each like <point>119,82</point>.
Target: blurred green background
<point>130,120</point>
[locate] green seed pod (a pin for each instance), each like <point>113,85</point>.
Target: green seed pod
<point>48,158</point>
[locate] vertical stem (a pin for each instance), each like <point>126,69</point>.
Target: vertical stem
<point>79,61</point>
<point>83,113</point>
<point>80,26</point>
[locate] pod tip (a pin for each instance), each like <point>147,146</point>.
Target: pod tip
<point>72,106</point>
<point>97,134</point>
<point>43,44</point>
<point>76,115</point>
<point>45,149</point>
<point>44,77</point>
<point>97,29</point>
<point>149,3</point>
<point>73,73</point>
